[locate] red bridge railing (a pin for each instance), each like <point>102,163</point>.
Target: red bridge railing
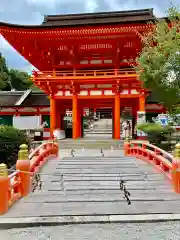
<point>162,160</point>
<point>18,184</point>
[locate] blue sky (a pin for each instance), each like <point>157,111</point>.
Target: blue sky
<point>33,11</point>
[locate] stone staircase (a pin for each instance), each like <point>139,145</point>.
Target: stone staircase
<point>101,128</point>
<point>91,143</point>
<point>90,186</point>
<point>98,137</point>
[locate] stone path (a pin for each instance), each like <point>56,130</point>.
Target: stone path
<point>118,231</point>
<point>91,187</point>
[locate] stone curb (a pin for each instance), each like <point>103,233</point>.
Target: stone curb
<point>24,222</point>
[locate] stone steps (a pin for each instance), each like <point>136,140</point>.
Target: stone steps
<point>99,171</point>
<point>105,178</point>
<point>97,191</point>
<point>91,186</point>
<point>102,128</point>
<point>98,129</point>
<point>95,208</point>
<point>100,196</point>
<point>103,132</point>
<point>90,143</point>
<point>99,134</point>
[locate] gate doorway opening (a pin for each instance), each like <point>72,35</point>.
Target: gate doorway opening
<point>110,113</point>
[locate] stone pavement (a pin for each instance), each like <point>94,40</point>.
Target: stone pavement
<point>118,231</point>
<point>91,189</point>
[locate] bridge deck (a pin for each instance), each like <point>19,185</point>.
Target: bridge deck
<point>91,187</point>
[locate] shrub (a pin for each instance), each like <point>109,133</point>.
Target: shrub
<point>158,135</point>
<point>10,140</point>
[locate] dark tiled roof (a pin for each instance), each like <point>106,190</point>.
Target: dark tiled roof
<point>73,20</point>
<point>9,98</point>
<point>36,99</point>
<point>142,15</point>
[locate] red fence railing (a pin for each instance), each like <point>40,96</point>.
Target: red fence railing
<point>85,73</point>
<point>162,160</point>
<point>18,184</point>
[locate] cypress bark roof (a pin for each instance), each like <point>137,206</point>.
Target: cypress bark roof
<point>10,98</point>
<point>34,99</point>
<point>87,19</point>
<point>142,15</point>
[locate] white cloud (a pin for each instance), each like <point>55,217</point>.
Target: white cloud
<point>40,3</point>
<point>91,6</point>
<point>114,5</point>
<point>117,5</point>
<point>157,12</point>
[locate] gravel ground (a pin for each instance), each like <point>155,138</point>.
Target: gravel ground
<point>128,231</point>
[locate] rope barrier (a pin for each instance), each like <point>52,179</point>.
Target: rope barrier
<point>36,177</point>
<point>43,174</point>
<point>36,181</point>
<point>56,174</point>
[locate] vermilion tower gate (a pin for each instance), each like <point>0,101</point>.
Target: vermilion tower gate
<point>85,60</point>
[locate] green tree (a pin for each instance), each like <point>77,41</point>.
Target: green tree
<point>20,80</point>
<point>159,61</point>
<point>13,78</point>
<point>4,74</point>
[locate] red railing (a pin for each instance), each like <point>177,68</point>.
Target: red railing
<point>39,156</point>
<point>18,183</point>
<point>14,188</point>
<point>162,160</point>
<point>85,73</point>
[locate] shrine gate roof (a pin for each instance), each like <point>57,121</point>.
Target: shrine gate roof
<point>101,18</point>
<point>142,15</point>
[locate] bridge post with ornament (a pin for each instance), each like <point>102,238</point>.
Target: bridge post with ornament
<point>176,169</point>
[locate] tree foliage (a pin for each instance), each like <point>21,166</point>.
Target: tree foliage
<point>13,78</point>
<point>159,61</point>
<point>4,74</point>
<point>158,135</point>
<point>20,80</point>
<point>10,140</point>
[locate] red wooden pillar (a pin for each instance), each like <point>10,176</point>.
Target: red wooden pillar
<point>58,115</point>
<point>117,116</point>
<point>53,116</point>
<point>79,122</point>
<point>58,125</point>
<point>75,116</point>
<point>80,119</point>
<point>113,122</point>
<point>142,103</point>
